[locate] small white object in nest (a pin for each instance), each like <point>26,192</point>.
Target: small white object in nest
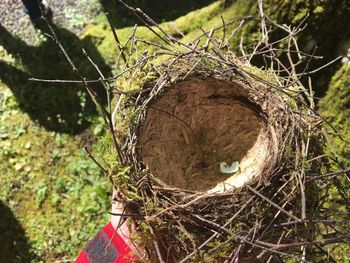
<point>229,169</point>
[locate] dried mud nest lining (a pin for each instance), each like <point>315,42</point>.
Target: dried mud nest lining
<point>196,125</point>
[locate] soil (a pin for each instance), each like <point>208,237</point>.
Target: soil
<point>194,127</point>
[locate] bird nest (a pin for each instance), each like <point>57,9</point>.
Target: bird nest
<point>212,156</point>
<point>218,160</point>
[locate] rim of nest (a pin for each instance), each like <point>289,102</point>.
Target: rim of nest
<point>274,104</point>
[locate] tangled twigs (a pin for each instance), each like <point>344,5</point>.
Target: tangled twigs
<point>181,109</point>
<point>273,204</point>
<point>287,176</point>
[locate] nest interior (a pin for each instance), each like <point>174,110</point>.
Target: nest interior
<point>197,124</point>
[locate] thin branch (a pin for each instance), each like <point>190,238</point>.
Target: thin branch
<point>121,49</point>
<point>273,203</point>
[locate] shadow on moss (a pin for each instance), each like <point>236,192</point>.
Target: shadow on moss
<point>14,244</point>
<point>159,10</point>
<point>57,107</point>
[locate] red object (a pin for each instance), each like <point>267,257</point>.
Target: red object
<point>106,247</point>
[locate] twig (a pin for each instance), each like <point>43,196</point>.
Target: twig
<point>97,163</point>
<point>273,203</point>
<point>327,175</point>
<point>123,214</point>
<point>64,81</point>
<point>140,14</point>
<point>216,234</point>
<point>121,49</point>
<point>156,246</point>
<point>320,68</point>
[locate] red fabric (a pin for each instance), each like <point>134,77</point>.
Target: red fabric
<point>82,258</point>
<point>125,255</point>
<point>109,237</point>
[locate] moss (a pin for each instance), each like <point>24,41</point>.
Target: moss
<point>46,179</point>
<point>159,10</point>
<point>239,9</point>
<point>108,48</point>
<point>48,182</point>
<point>324,29</point>
<point>58,107</point>
<point>336,107</point>
<point>327,26</point>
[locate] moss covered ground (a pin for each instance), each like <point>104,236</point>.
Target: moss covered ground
<point>53,198</point>
<point>57,196</point>
<point>51,194</point>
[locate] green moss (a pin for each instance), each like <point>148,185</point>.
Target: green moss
<point>239,9</point>
<point>48,182</point>
<point>327,26</point>
<point>186,24</point>
<point>196,19</point>
<point>336,107</point>
<point>58,107</point>
<point>159,10</point>
<point>324,29</point>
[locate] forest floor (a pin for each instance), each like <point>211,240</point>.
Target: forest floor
<point>46,180</point>
<point>53,198</point>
